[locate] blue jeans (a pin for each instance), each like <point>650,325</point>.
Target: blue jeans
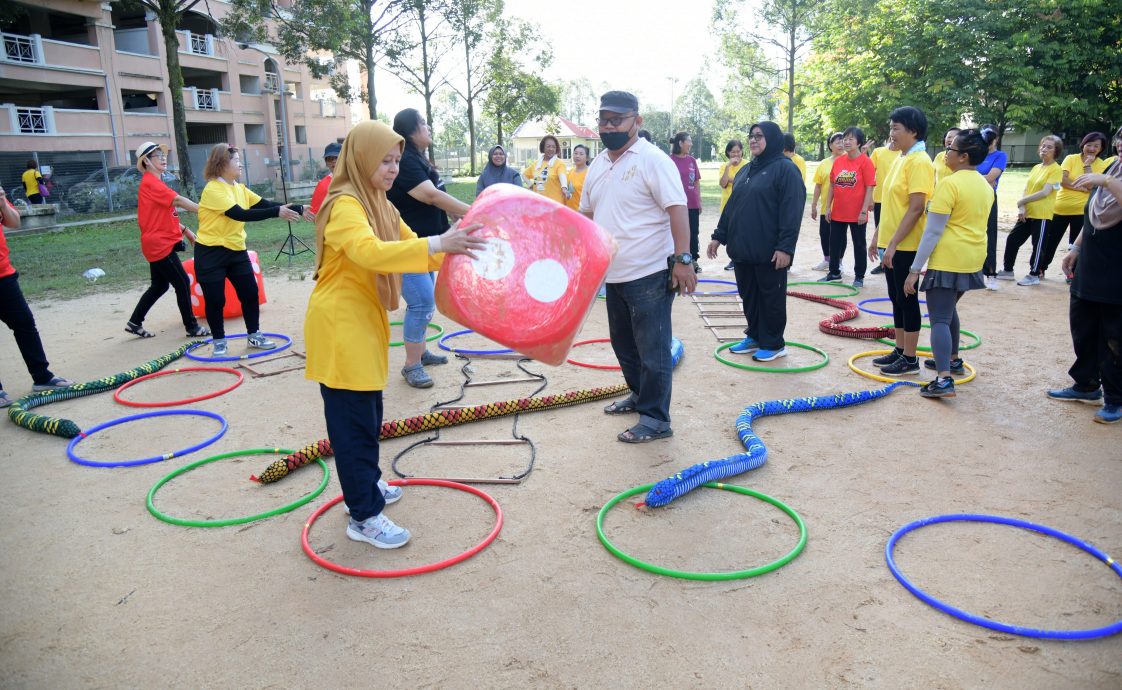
<point>416,288</point>
<point>640,328</point>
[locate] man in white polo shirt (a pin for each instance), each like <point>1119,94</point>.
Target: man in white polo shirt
<point>634,192</point>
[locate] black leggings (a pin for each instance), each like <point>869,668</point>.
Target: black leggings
<point>17,316</point>
<point>905,308</point>
<point>1073,225</point>
<point>213,267</point>
<point>695,230</point>
<point>989,268</point>
<point>167,272</point>
<point>837,247</point>
<point>824,235</point>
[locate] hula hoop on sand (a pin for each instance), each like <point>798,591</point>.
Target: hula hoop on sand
<point>404,572</point>
<point>733,291</point>
<point>462,351</point>
<point>428,339</point>
<point>187,401</point>
<point>862,307</point>
<point>143,461</point>
<point>691,575</point>
<point>888,379</point>
<point>775,370</point>
<point>234,358</point>
<point>853,292</point>
<point>232,521</point>
<point>1091,633</point>
<point>977,339</point>
<point>611,367</point>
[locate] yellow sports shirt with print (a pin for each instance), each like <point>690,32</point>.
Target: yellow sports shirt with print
<point>966,197</point>
<point>910,174</point>
<point>215,228</point>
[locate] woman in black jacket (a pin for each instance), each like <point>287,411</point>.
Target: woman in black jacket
<point>760,226</point>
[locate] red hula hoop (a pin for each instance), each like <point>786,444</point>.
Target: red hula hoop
<point>610,367</point>
<point>405,572</point>
<point>187,401</point>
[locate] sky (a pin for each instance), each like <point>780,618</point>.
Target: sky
<point>633,45</point>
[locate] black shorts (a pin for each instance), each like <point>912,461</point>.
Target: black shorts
<point>213,264</point>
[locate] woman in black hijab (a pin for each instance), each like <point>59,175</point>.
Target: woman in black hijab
<point>760,226</point>
<point>497,171</point>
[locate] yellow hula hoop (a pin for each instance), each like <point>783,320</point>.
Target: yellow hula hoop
<point>890,379</point>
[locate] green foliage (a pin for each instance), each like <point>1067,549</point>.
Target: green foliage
<point>695,112</point>
<point>519,94</point>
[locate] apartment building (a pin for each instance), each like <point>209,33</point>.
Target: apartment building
<point>84,82</point>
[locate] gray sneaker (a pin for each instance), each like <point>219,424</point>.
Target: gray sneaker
<point>430,358</point>
<point>1005,275</point>
<point>259,341</point>
<point>391,494</point>
<point>378,531</point>
<point>416,376</point>
<point>220,348</point>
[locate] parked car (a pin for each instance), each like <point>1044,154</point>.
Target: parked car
<point>90,194</point>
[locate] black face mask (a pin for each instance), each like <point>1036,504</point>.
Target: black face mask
<point>614,141</point>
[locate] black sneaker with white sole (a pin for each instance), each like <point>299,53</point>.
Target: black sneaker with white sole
<point>956,365</point>
<point>885,360</point>
<point>941,387</point>
<point>903,366</point>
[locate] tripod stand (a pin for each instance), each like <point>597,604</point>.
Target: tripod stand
<point>289,245</point>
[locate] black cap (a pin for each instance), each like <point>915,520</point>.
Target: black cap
<point>332,150</point>
<point>619,102</point>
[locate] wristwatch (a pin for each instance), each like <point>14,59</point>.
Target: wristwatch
<point>683,258</point>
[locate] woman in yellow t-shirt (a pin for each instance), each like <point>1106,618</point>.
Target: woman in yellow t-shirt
<point>818,203</point>
<point>907,187</point>
<point>1035,211</point>
<point>1071,200</point>
<point>547,175</point>
<point>941,168</point>
<point>954,248</point>
<point>220,254</point>
<point>734,152</point>
<point>362,247</point>
<point>577,174</point>
<point>31,182</point>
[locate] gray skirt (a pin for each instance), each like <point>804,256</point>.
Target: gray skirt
<point>946,280</point>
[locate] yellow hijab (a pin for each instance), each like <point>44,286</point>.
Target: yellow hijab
<point>362,153</point>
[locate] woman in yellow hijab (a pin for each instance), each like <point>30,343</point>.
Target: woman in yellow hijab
<point>362,247</point>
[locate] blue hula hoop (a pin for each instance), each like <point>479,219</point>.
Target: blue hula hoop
<point>144,461</point>
<point>733,291</point>
<point>440,343</point>
<point>234,358</point>
<point>860,305</point>
<point>1088,634</point>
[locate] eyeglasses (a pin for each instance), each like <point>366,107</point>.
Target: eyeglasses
<point>755,137</point>
<point>232,150</point>
<point>951,148</point>
<point>614,121</point>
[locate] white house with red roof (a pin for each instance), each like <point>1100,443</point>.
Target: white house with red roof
<point>525,140</point>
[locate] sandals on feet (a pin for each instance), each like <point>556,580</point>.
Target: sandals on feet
<point>5,401</point>
<point>198,332</point>
<point>641,433</point>
<point>625,406</point>
<point>56,383</point>
<point>138,330</point>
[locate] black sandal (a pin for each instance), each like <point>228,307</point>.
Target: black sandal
<point>641,433</point>
<point>198,332</point>
<point>138,330</point>
<point>625,406</point>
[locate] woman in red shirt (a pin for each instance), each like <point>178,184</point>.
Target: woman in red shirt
<point>847,205</point>
<point>161,237</point>
<point>17,316</point>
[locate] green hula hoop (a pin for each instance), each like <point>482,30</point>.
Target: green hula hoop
<point>239,520</point>
<point>774,370</point>
<point>690,575</point>
<point>920,348</point>
<point>428,339</point>
<point>854,293</point>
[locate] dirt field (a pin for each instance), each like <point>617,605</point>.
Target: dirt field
<point>98,593</point>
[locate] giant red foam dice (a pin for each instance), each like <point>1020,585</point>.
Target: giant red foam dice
<point>533,287</point>
<point>233,307</point>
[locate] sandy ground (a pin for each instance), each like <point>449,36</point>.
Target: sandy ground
<point>97,593</point>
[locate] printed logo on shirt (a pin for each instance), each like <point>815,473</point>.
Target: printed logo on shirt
<point>629,174</point>
<point>846,178</point>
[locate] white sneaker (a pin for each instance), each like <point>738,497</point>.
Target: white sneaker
<point>1030,279</point>
<point>991,283</point>
<point>392,494</point>
<point>823,265</point>
<point>378,531</point>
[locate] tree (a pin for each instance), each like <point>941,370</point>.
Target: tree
<point>415,59</point>
<point>658,123</point>
<point>694,111</point>
<point>472,21</point>
<point>517,94</point>
<point>308,30</point>
<point>168,13</point>
<point>578,100</point>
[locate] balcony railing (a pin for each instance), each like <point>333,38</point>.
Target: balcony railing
<point>198,44</point>
<point>203,99</point>
<point>271,82</point>
<point>328,108</point>
<point>26,49</point>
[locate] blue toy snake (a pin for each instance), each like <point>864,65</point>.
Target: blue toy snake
<point>755,453</point>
